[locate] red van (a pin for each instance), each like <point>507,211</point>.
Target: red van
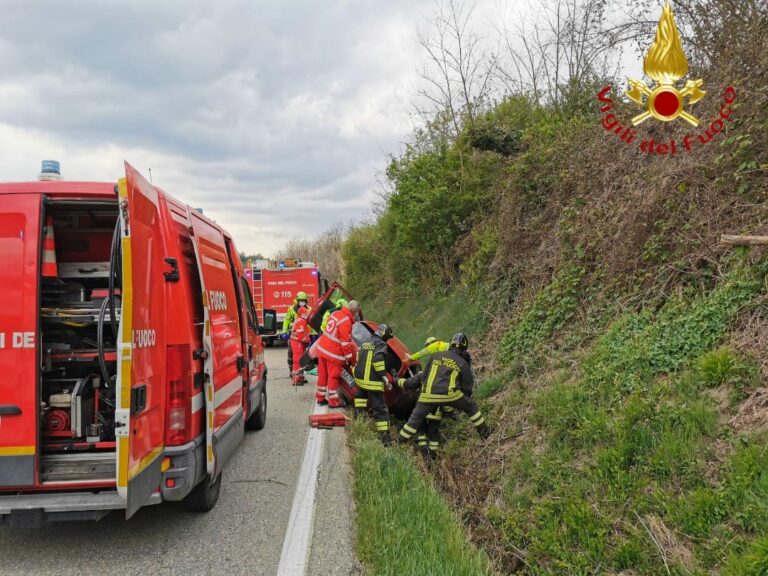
<point>129,350</point>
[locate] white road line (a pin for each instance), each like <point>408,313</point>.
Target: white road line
<point>298,537</point>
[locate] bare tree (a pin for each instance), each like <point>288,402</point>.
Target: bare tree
<point>559,47</point>
<point>458,71</point>
<point>324,249</point>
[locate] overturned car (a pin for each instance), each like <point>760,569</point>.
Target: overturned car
<point>399,402</point>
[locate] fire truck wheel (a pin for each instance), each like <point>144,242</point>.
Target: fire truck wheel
<point>204,496</point>
<point>259,418</point>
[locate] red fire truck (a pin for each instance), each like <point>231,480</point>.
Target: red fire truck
<point>129,350</point>
<point>274,285</point>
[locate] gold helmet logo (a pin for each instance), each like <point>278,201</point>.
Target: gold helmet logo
<point>666,64</point>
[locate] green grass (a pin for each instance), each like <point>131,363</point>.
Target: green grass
<point>625,442</point>
<point>413,321</point>
<point>404,526</point>
<point>548,313</point>
<point>625,432</point>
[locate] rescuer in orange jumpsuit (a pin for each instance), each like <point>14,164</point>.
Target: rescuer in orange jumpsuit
<point>299,343</point>
<point>334,350</point>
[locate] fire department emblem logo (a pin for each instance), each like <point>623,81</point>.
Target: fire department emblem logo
<point>667,65</point>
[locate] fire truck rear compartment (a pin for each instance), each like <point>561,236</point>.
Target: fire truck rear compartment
<point>79,312</point>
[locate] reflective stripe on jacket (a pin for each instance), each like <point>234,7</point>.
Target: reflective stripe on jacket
<point>370,369</point>
<point>446,377</point>
<point>335,343</point>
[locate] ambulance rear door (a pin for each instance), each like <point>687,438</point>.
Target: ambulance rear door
<point>20,237</point>
<point>223,358</point>
<point>140,410</point>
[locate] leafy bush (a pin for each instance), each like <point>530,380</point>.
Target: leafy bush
<point>641,346</point>
<point>361,252</point>
<point>549,312</point>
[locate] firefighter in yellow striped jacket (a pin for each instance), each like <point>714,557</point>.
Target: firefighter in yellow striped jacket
<point>371,378</point>
<point>428,436</point>
<point>446,380</point>
<point>431,346</point>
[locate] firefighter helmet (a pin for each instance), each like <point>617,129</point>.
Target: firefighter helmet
<point>384,332</point>
<point>430,340</point>
<point>459,341</point>
<point>340,303</point>
<point>302,296</point>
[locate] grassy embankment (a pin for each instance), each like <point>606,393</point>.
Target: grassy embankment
<point>625,348</point>
<point>404,526</point>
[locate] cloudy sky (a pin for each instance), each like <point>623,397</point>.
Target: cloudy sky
<point>274,116</point>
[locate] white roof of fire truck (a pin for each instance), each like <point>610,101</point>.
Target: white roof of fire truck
<point>285,264</point>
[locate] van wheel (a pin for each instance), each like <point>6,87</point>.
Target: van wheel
<point>203,496</point>
<point>259,418</point>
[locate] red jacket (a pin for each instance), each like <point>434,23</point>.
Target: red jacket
<point>335,344</point>
<point>300,331</point>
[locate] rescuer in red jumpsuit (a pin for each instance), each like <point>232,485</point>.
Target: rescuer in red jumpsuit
<point>299,343</point>
<point>334,350</point>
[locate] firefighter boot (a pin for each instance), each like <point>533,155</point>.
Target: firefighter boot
<point>483,430</point>
<point>424,451</point>
<point>361,406</point>
<point>385,438</point>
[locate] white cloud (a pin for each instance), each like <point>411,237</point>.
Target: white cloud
<point>275,117</point>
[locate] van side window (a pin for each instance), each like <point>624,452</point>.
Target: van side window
<point>252,318</point>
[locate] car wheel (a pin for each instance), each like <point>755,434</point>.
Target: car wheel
<point>258,419</point>
<point>204,496</point>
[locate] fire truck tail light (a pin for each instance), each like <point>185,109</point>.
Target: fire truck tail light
<point>177,362</point>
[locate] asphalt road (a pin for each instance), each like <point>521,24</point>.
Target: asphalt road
<point>243,534</point>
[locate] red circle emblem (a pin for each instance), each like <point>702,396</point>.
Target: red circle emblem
<point>666,103</point>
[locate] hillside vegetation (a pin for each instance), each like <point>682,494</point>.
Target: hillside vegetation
<point>623,350</point>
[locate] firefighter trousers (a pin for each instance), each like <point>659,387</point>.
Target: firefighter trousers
<point>429,433</point>
<point>378,407</point>
<point>424,409</point>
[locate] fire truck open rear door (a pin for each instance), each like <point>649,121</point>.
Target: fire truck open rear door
<point>222,344</point>
<point>141,348</point>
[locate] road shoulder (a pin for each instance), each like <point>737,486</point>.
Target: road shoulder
<point>333,542</point>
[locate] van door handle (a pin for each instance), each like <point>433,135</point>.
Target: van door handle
<point>173,275</point>
<point>9,410</point>
<point>138,399</point>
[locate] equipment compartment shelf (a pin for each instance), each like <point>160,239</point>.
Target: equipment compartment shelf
<point>83,356</point>
<point>75,316</point>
